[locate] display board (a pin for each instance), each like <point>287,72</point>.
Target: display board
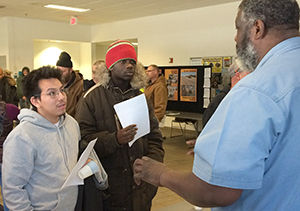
<point>188,87</point>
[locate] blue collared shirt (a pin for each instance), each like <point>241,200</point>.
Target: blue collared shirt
<point>252,142</point>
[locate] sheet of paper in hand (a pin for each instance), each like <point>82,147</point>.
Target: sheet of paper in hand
<point>134,111</point>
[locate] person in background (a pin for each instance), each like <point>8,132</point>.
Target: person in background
<point>80,75</point>
<point>22,99</point>
<point>237,71</point>
<point>247,155</point>
<point>9,113</point>
<point>121,80</point>
<point>42,150</point>
<point>1,130</point>
<point>157,91</point>
<point>71,81</point>
<point>8,89</point>
<point>97,67</point>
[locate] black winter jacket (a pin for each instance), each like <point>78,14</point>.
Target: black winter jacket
<point>96,120</point>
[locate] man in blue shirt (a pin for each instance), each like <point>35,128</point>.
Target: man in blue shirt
<point>247,156</point>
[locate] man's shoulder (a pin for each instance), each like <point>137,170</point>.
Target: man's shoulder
<point>160,82</point>
<point>161,79</point>
<point>20,77</point>
<point>70,121</point>
<point>78,81</point>
<point>273,67</point>
<point>76,88</point>
<point>69,118</point>
<point>94,91</point>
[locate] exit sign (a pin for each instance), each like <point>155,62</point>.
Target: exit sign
<point>73,20</point>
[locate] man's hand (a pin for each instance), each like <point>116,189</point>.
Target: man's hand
<point>191,144</point>
<point>126,134</point>
<point>87,161</point>
<point>148,170</point>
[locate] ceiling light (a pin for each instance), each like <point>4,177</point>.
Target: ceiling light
<point>66,8</point>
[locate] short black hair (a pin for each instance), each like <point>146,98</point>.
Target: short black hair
<point>31,81</point>
<point>25,68</point>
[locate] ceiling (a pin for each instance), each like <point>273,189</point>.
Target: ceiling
<point>102,11</point>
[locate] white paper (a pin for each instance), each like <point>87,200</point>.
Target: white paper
<point>73,178</point>
<point>206,102</point>
<point>207,72</point>
<point>206,93</point>
<point>206,82</point>
<point>134,111</point>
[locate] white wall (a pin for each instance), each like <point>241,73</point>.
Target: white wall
<point>3,40</point>
<point>72,48</point>
<point>86,60</point>
<point>199,32</point>
<point>22,32</point>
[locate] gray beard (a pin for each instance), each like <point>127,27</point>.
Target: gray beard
<point>248,54</point>
<point>66,79</point>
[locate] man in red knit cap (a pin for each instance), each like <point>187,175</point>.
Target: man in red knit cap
<point>121,80</point>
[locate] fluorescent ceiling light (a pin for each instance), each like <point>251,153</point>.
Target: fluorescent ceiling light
<point>66,8</point>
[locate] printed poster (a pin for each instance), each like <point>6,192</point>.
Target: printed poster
<point>188,86</point>
<point>171,76</point>
<point>214,62</point>
<point>226,62</point>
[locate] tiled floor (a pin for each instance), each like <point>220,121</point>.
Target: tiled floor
<point>176,158</point>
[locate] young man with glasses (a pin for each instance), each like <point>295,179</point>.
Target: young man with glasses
<point>42,150</point>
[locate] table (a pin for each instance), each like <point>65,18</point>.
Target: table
<point>188,116</point>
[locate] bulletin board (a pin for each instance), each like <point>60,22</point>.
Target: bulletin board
<point>187,90</point>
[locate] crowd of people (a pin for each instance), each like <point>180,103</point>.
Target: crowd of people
<point>245,158</point>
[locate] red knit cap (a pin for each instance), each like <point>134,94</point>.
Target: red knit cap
<point>119,50</point>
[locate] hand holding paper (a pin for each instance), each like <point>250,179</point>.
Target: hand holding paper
<point>126,134</point>
<point>134,112</point>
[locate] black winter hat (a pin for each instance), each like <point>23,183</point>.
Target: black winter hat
<point>64,60</point>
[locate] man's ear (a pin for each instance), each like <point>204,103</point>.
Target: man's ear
<point>238,76</point>
<point>260,29</point>
<point>34,101</point>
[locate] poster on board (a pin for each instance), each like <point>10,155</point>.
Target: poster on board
<point>188,85</point>
<point>171,76</point>
<point>226,62</point>
<point>214,62</point>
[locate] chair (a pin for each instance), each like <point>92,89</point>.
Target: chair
<point>180,121</point>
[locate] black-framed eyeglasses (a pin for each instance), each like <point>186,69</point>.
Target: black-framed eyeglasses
<point>53,94</point>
